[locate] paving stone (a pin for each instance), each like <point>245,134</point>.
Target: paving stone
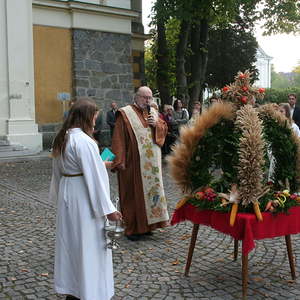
<point>143,270</point>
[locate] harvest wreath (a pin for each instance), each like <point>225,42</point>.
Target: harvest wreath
<point>236,157</point>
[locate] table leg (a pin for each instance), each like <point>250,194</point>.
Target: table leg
<point>245,274</point>
<point>191,249</point>
<point>236,249</point>
<point>290,255</point>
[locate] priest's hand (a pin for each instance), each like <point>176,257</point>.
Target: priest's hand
<point>115,216</point>
<point>151,120</point>
<point>108,164</point>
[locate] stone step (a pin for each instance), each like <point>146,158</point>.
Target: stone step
<point>14,147</point>
<point>6,148</point>
<point>4,143</point>
<point>8,155</point>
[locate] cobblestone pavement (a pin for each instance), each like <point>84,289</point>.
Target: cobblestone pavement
<point>148,269</point>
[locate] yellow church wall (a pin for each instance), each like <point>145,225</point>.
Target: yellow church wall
<point>52,71</point>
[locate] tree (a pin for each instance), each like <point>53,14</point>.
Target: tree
<point>296,77</point>
<point>278,80</point>
<point>150,63</point>
<point>196,17</point>
<point>230,49</point>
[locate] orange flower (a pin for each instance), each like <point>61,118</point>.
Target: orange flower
<point>199,195</point>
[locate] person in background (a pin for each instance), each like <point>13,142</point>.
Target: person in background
<point>138,136</point>
<point>284,108</point>
<point>294,110</point>
<point>154,105</point>
<point>180,117</point>
<point>195,113</point>
<point>111,117</point>
<point>213,99</point>
<point>98,129</point>
<point>80,187</point>
<point>170,138</point>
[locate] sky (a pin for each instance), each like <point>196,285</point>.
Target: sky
<point>285,49</point>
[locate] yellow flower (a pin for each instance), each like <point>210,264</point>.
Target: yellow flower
<point>149,153</point>
<point>286,193</point>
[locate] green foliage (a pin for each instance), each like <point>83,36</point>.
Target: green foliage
<point>150,66</point>
<point>279,81</point>
<point>204,204</point>
<point>216,205</point>
<point>231,49</point>
<point>280,16</point>
<point>214,160</point>
<point>277,17</point>
<point>284,151</point>
<point>216,152</point>
<point>285,80</point>
<point>280,95</point>
<point>172,28</point>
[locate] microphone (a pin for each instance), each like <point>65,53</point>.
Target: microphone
<point>148,109</point>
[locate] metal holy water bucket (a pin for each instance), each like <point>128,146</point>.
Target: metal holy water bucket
<point>113,230</point>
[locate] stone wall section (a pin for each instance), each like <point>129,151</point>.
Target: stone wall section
<point>102,67</point>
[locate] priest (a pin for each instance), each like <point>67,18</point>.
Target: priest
<point>138,136</point>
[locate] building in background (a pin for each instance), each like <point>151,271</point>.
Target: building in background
<point>263,64</point>
<point>57,50</point>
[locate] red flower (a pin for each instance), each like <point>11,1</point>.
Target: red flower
<point>242,76</point>
<point>244,88</point>
<point>225,89</point>
<point>293,197</point>
<point>261,90</point>
<point>244,99</point>
<point>208,190</point>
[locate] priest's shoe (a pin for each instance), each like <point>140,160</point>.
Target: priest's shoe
<point>149,233</point>
<point>133,237</point>
<point>70,297</point>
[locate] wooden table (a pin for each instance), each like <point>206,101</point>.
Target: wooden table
<point>246,228</point>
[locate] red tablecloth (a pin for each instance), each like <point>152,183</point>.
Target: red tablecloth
<point>246,227</point>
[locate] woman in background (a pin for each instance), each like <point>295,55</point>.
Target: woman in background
<point>180,117</point>
<point>83,264</point>
<point>284,108</point>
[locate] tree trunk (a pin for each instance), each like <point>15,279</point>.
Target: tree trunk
<point>181,76</point>
<point>199,39</point>
<point>162,56</point>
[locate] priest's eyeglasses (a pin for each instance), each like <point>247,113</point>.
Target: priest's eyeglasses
<point>146,97</point>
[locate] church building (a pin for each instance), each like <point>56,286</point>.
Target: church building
<point>52,51</point>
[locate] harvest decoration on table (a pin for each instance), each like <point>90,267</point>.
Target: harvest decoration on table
<point>237,157</point>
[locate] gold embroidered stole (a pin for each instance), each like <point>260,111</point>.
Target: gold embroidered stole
<point>150,164</point>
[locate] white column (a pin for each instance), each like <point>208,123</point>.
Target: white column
<point>4,111</point>
<point>21,126</point>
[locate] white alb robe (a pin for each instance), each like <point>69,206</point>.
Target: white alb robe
<point>83,264</point>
